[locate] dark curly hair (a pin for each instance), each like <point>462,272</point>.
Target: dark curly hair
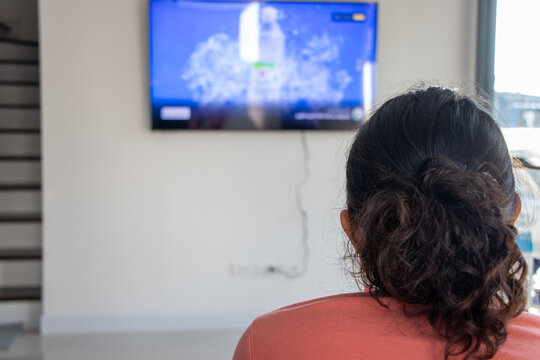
<point>431,197</point>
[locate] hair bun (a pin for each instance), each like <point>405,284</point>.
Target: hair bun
<point>475,195</point>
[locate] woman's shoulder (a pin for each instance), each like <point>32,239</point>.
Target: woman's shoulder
<point>340,325</point>
<point>325,301</point>
<point>526,318</point>
<point>524,324</point>
<point>340,315</point>
<point>354,308</point>
<point>523,341</point>
<point>315,309</point>
<point>336,326</point>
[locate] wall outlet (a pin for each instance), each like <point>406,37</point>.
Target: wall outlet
<point>248,270</point>
<point>259,270</point>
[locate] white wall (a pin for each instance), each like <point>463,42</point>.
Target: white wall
<point>141,227</point>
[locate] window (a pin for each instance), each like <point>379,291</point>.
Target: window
<point>508,69</point>
<point>517,63</point>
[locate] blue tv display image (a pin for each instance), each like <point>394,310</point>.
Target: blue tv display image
<point>261,65</point>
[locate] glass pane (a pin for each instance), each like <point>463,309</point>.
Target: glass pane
<point>517,63</point>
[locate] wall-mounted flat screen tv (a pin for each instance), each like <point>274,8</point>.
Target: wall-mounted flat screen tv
<point>261,65</point>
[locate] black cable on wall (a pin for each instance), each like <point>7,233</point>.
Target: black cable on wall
<point>304,217</point>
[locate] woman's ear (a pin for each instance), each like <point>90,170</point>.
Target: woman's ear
<point>516,213</point>
<point>348,228</point>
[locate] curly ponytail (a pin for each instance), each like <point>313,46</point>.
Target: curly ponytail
<point>430,193</point>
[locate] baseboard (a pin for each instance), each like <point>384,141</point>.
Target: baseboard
<point>26,313</point>
<point>53,324</point>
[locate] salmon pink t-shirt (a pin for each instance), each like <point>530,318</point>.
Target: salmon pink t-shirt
<point>356,326</point>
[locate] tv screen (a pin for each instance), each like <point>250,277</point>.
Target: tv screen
<point>261,65</point>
